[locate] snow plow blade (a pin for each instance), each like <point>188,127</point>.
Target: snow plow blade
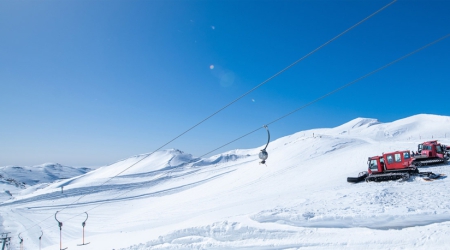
<point>362,176</point>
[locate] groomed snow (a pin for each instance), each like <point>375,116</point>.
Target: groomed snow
<point>173,200</point>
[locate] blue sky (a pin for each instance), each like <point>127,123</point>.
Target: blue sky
<point>86,83</point>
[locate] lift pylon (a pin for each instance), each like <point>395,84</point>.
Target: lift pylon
<point>5,240</point>
<point>84,224</point>
<point>21,242</point>
<point>60,232</point>
<point>40,237</point>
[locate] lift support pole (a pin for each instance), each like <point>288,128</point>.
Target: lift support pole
<point>5,240</point>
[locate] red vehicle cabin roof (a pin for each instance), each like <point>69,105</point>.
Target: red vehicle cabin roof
<point>397,160</point>
<point>430,142</point>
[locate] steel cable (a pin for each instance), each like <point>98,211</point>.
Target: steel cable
<point>332,92</point>
<point>226,106</point>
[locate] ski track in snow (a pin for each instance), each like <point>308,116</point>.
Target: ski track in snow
<point>299,200</point>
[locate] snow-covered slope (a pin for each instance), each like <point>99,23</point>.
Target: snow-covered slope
<point>300,199</point>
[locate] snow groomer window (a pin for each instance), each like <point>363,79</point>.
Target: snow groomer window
<point>398,158</point>
<point>373,165</point>
<point>406,155</point>
<point>390,159</point>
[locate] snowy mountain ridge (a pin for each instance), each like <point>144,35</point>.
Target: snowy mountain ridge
<point>44,173</point>
<point>16,180</point>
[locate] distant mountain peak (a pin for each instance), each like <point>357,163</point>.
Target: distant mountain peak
<point>359,123</point>
<point>364,122</point>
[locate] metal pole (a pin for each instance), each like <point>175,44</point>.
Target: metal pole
<point>60,224</point>
<point>21,242</point>
<point>6,240</point>
<point>40,237</point>
<point>84,224</point>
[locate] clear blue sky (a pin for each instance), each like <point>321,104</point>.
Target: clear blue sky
<point>87,83</point>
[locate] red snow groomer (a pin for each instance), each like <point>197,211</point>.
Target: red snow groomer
<point>431,152</point>
<point>391,166</point>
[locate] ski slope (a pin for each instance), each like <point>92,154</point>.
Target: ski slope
<point>300,199</point>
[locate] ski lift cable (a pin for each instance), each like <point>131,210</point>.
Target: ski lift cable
<point>284,116</point>
<point>296,110</point>
<point>277,74</point>
<point>334,91</point>
<point>237,99</point>
<point>360,78</point>
<point>314,101</point>
<point>256,87</point>
<point>232,102</point>
<point>259,85</point>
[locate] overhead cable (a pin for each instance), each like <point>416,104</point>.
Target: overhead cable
<point>282,117</point>
<point>256,87</point>
<point>226,106</point>
<point>332,92</point>
<point>302,107</point>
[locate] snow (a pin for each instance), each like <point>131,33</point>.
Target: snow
<point>300,199</point>
<point>16,180</point>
